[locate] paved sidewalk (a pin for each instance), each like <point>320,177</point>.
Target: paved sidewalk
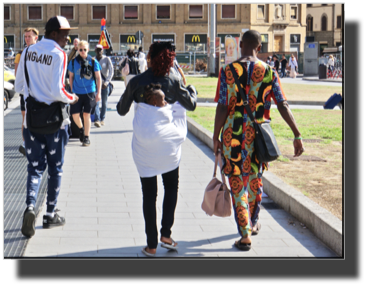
<point>102,201</point>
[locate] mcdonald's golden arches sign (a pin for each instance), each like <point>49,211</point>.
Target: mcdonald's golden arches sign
<point>128,39</point>
<point>195,38</point>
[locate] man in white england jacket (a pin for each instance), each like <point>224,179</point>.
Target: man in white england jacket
<point>46,64</point>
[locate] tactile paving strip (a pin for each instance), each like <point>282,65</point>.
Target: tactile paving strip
<point>15,176</point>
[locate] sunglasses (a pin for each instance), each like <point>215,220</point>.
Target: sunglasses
<point>83,50</point>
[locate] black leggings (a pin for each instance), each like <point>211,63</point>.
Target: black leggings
<point>149,192</point>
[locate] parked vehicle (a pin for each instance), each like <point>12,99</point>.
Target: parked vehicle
<point>8,93</point>
<point>9,75</point>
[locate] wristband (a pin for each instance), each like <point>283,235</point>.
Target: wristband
<point>298,138</point>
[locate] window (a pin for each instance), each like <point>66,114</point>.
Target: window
<point>195,12</point>
<point>131,12</point>
<point>35,12</point>
<point>264,43</point>
<point>309,5</point>
<point>93,40</point>
<point>339,21</point>
<point>294,12</point>
<point>338,44</point>
<point>163,11</point>
<point>309,23</point>
<point>6,12</point>
<point>260,12</point>
<point>228,11</point>
<point>8,41</point>
<point>323,23</point>
<point>99,12</point>
<point>67,12</point>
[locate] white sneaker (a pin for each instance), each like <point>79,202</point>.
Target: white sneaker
<point>97,124</point>
<point>102,123</point>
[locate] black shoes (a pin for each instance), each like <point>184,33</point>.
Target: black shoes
<point>82,135</point>
<point>52,222</point>
<point>22,150</point>
<point>86,141</point>
<point>28,224</point>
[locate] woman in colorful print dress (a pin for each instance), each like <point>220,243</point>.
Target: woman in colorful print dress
<point>261,84</point>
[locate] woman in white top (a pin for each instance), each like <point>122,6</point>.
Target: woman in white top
<point>331,63</point>
<point>294,66</point>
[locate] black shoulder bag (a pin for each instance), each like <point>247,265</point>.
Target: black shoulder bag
<point>40,117</point>
<point>265,143</point>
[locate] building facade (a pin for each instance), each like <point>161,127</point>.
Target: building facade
<point>283,26</point>
<point>324,24</point>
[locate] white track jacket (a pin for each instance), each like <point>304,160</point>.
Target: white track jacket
<point>46,65</point>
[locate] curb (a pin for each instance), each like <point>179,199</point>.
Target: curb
<point>320,221</point>
<point>291,102</point>
<point>322,80</point>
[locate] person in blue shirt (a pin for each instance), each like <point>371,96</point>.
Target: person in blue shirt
<point>85,81</point>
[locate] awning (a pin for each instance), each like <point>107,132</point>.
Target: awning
<point>330,50</point>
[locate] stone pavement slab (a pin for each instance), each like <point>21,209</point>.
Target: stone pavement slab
<point>102,201</point>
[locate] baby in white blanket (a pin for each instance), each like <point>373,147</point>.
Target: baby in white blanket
<point>159,129</point>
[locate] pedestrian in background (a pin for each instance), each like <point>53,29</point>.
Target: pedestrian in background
<point>42,82</point>
<point>142,60</point>
<point>107,72</point>
<point>293,65</point>
<point>133,64</point>
<point>331,63</point>
<point>276,63</point>
<point>161,55</point>
<point>31,38</point>
<point>283,66</point>
<point>85,81</point>
<point>73,53</point>
<point>241,166</point>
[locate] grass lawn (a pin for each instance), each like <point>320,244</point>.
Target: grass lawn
<point>206,87</point>
<point>320,177</point>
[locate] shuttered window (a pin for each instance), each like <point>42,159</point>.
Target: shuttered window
<point>99,12</point>
<point>323,23</point>
<point>228,11</point>
<point>67,12</point>
<point>339,21</point>
<point>195,11</point>
<point>35,12</point>
<point>130,12</point>
<point>6,13</point>
<point>163,12</point>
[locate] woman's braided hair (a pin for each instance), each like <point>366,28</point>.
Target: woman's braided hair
<point>150,92</point>
<point>162,56</point>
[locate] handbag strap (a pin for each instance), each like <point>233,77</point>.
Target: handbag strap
<point>242,94</point>
<point>26,73</point>
<point>218,158</point>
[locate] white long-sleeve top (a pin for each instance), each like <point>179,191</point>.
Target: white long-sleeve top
<point>46,66</point>
<point>293,63</point>
<point>158,134</point>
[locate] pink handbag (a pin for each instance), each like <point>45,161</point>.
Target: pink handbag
<point>217,198</point>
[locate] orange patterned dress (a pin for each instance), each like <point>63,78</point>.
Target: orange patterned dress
<point>261,84</point>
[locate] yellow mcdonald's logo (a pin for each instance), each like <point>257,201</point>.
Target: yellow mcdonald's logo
<point>130,39</point>
<point>6,40</point>
<point>196,38</point>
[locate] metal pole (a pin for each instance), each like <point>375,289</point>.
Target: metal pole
<point>212,38</point>
<point>208,50</point>
<point>190,59</point>
<point>194,63</point>
<point>20,26</point>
